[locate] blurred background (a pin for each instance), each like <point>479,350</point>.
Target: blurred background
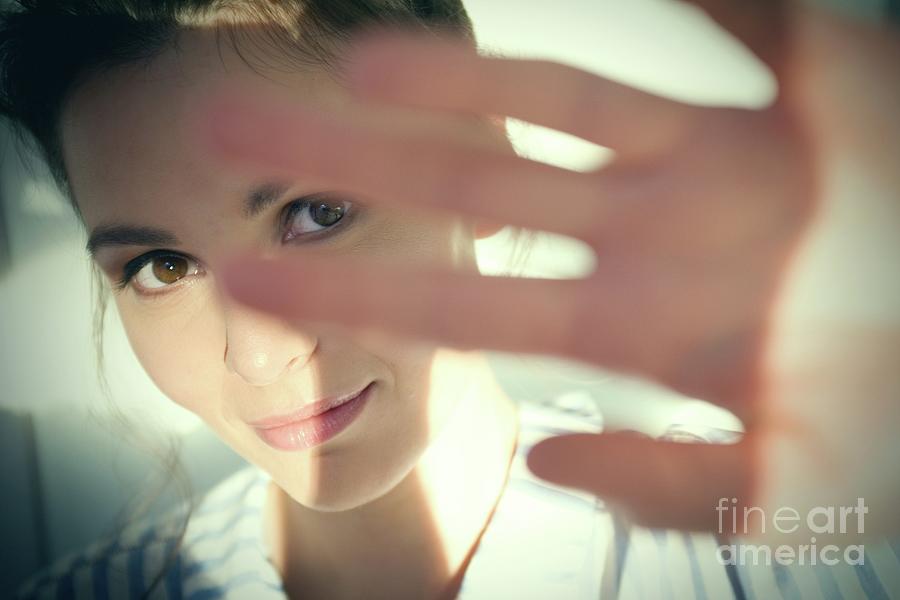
<point>67,471</point>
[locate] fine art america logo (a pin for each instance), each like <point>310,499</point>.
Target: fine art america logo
<point>821,520</point>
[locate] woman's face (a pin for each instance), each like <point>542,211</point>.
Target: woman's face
<point>143,184</point>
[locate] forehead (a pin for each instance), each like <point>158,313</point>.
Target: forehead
<point>128,137</point>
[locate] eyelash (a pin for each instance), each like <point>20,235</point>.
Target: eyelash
<point>136,265</point>
<point>133,267</point>
<point>295,207</point>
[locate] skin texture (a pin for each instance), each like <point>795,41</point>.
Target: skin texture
<point>405,491</point>
<point>745,257</point>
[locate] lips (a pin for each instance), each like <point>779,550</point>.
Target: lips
<point>308,411</point>
<point>296,435</point>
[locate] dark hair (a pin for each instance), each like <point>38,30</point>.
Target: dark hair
<point>50,47</point>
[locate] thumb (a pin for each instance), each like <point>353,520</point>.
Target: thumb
<point>655,483</point>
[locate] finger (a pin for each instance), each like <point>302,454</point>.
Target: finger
<point>457,309</point>
<point>657,483</point>
<point>437,74</point>
<point>764,26</point>
<point>639,322</point>
<point>390,168</point>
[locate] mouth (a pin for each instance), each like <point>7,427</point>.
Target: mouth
<point>314,424</point>
<point>310,410</point>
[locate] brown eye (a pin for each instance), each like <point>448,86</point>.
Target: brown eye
<point>310,216</point>
<point>162,271</point>
<point>170,269</point>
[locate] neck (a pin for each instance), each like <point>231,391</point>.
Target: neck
<point>416,540</point>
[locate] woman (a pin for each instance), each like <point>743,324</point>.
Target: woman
<point>157,212</point>
<point>416,463</point>
<point>404,478</point>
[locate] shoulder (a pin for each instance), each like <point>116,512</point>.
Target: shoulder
<point>193,546</point>
<point>651,563</point>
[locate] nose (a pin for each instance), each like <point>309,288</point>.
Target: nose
<point>261,349</point>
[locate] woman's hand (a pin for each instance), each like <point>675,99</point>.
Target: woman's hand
<point>713,229</point>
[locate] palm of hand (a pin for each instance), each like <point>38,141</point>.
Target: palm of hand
<point>696,225</point>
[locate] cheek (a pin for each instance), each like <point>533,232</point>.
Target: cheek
<point>180,343</point>
<point>422,392</point>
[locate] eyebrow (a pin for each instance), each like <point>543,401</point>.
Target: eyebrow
<point>258,200</point>
<point>262,197</point>
<point>128,235</point>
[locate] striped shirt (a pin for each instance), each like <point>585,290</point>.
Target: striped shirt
<point>542,542</point>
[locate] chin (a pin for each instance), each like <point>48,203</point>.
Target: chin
<point>338,490</point>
